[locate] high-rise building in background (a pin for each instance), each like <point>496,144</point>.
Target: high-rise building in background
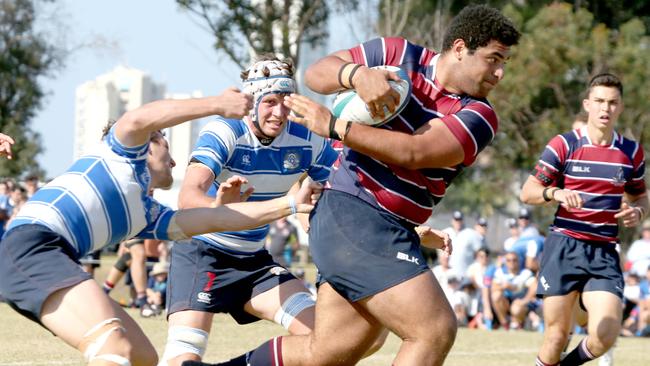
<point>110,95</point>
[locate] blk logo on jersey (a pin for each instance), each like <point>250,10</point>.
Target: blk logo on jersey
<point>580,169</point>
<point>405,257</point>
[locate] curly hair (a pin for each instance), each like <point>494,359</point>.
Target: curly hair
<point>288,64</point>
<point>477,25</point>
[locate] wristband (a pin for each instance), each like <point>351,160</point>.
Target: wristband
<point>333,134</point>
<point>354,69</point>
<point>545,196</point>
<point>340,76</point>
<point>641,212</point>
<point>292,204</point>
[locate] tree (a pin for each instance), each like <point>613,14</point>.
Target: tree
<point>25,56</point>
<point>245,28</point>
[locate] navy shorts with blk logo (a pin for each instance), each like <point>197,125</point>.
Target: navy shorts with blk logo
<point>35,262</point>
<point>205,278</point>
<point>570,264</point>
<point>359,249</point>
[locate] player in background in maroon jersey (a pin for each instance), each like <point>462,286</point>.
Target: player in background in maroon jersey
<point>596,176</point>
<point>363,237</point>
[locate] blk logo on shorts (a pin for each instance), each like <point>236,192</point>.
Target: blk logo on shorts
<point>405,257</point>
<point>545,284</point>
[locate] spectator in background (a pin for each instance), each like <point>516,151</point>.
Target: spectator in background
<point>528,249</point>
<point>525,226</point>
<point>17,197</point>
<point>5,207</point>
<point>466,243</point>
<point>476,271</point>
<point>282,236</point>
<point>638,256</point>
<point>31,185</point>
<point>156,290</point>
<point>509,283</point>
<point>513,229</point>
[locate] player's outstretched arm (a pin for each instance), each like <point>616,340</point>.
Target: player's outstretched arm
<point>535,193</point>
<point>5,145</point>
<point>135,126</point>
<point>241,215</point>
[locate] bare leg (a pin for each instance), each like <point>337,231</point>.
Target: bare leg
<point>558,316</point>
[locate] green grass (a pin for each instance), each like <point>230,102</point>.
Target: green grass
<point>23,342</point>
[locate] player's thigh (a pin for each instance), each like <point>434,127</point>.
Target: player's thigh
<point>343,332</point>
<point>191,319</point>
<point>558,311</point>
<point>267,304</point>
<point>416,308</point>
<point>71,312</point>
<point>604,311</point>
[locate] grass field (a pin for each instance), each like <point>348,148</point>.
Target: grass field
<point>25,343</point>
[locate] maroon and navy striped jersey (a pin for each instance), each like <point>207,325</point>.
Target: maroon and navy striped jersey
<point>411,194</point>
<point>600,173</point>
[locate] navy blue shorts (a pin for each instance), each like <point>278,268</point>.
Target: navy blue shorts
<point>34,263</point>
<point>569,264</point>
<point>205,278</point>
<point>359,249</point>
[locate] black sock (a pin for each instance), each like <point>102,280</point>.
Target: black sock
<point>268,354</point>
<point>579,355</point>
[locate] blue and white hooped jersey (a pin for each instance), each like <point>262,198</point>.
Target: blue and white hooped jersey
<point>101,200</point>
<point>228,147</point>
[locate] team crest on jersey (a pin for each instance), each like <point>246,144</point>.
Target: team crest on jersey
<point>619,179</point>
<point>291,160</point>
<point>277,270</point>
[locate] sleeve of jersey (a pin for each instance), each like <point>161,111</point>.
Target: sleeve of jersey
<point>216,141</point>
<point>134,153</point>
<point>320,169</point>
<point>159,225</point>
<point>380,51</point>
<point>549,166</point>
<point>636,185</point>
<point>474,127</point>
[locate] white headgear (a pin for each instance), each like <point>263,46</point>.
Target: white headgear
<point>267,77</point>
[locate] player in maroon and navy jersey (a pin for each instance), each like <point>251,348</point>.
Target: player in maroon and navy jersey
<point>387,180</point>
<point>597,176</point>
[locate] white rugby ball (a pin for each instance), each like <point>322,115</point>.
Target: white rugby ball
<point>349,106</point>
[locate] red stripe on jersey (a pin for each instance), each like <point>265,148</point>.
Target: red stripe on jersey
<point>558,144</point>
<point>586,236</point>
<point>486,112</point>
<point>593,217</point>
<point>464,138</point>
<point>592,186</point>
<point>393,50</point>
<point>394,203</point>
<point>599,154</point>
<point>357,55</point>
<point>435,187</point>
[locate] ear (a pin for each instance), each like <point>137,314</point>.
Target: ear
<point>457,48</point>
<point>585,105</point>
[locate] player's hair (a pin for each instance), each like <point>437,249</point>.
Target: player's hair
<point>477,25</point>
<point>605,79</point>
<point>287,65</point>
<point>107,128</point>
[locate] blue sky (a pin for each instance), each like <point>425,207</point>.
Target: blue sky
<point>150,35</point>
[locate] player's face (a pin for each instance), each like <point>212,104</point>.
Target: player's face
<point>604,106</point>
<point>160,163</point>
<point>480,71</point>
<point>272,114</point>
<point>512,262</point>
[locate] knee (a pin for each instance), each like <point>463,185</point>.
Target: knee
<point>604,339</point>
<point>556,338</point>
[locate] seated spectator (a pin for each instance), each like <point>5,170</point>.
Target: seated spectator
<point>156,290</point>
<point>509,283</point>
<point>528,249</point>
<point>466,243</point>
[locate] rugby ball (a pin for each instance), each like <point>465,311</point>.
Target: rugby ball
<point>349,106</point>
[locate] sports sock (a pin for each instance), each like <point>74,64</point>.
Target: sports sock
<point>579,355</point>
<point>108,286</point>
<point>268,354</point>
<point>539,362</point>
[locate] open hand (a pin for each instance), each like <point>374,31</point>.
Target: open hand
<point>308,113</point>
<point>230,191</point>
<point>434,239</point>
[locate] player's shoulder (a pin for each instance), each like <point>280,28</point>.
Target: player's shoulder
<point>300,132</point>
<point>225,125</point>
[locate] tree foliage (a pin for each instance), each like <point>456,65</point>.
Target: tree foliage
<point>245,28</point>
<point>25,56</point>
